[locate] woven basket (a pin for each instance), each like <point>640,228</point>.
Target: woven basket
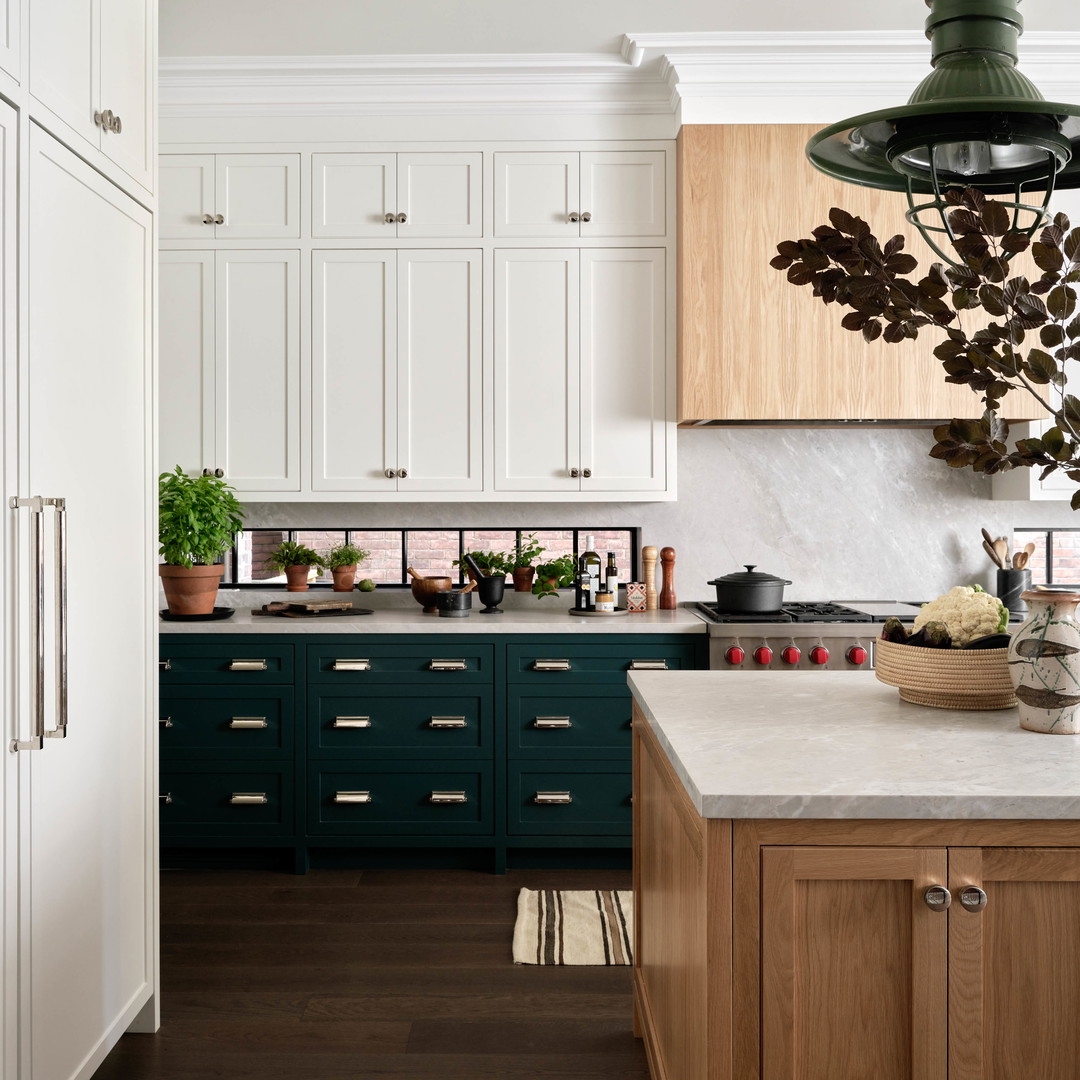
<point>946,678</point>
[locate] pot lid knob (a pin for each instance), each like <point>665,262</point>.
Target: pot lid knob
<point>749,567</point>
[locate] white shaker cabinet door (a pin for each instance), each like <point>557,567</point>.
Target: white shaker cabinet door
<point>624,193</point>
<point>536,415</point>
<point>126,85</point>
<point>440,195</point>
<point>257,369</point>
<point>186,361</point>
<point>257,196</point>
<point>624,424</point>
<point>354,371</point>
<point>90,842</point>
<point>352,194</point>
<point>64,61</point>
<point>10,22</point>
<point>536,194</point>
<point>186,197</point>
<point>440,371</point>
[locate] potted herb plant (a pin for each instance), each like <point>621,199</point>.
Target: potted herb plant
<point>198,519</point>
<point>493,563</point>
<point>528,552</point>
<point>342,561</point>
<point>296,560</point>
<point>554,575</point>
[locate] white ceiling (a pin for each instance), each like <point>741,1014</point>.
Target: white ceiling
<point>377,27</point>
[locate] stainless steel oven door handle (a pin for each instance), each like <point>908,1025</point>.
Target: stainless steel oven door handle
<point>35,504</point>
<point>61,600</point>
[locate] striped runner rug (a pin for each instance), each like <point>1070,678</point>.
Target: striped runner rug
<point>556,926</point>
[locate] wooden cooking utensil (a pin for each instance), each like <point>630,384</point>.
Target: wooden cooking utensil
<point>992,552</point>
<point>987,537</point>
<point>1001,546</point>
<point>1029,549</point>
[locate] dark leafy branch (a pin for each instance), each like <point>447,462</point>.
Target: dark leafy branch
<point>1033,334</point>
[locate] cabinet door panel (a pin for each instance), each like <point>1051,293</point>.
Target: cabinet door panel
<point>1014,967</point>
<point>351,195</point>
<point>186,195</point>
<point>10,11</point>
<point>535,194</point>
<point>440,356</point>
<point>186,360</point>
<point>440,195</point>
<point>258,369</point>
<point>258,195</point>
<point>354,370</point>
<point>537,432</point>
<point>127,28</point>
<point>623,369</point>
<point>625,193</point>
<point>63,61</point>
<point>871,1003</point>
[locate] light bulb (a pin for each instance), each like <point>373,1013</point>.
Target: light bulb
<point>967,158</point>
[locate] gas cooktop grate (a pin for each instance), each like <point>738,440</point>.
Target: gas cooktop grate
<point>794,611</point>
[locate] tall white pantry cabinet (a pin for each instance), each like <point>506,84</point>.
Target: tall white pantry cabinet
<point>78,814</point>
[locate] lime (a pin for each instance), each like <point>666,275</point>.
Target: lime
<point>367,585</point>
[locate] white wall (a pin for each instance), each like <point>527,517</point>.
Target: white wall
<point>360,27</point>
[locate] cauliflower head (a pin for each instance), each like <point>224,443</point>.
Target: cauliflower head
<point>968,612</point>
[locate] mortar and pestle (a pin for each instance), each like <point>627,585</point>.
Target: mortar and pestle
<point>425,589</point>
<point>455,605</point>
<point>490,588</point>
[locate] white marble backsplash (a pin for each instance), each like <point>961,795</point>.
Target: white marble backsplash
<point>844,513</point>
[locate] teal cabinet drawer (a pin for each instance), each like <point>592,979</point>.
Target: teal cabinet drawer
<point>364,663</point>
<point>226,802</point>
<point>589,722</point>
<point>401,798</point>
<point>389,723</point>
<point>555,798</point>
<point>226,720</point>
<point>567,664</point>
<point>252,661</point>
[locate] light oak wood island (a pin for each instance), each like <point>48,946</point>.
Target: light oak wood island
<point>832,883</point>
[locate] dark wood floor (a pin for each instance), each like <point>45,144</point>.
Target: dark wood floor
<point>361,975</point>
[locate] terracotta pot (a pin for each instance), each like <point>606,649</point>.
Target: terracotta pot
<point>344,578</point>
<point>296,578</point>
<point>191,591</point>
<point>523,578</point>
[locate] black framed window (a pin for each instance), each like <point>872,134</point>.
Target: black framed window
<point>1056,559</point>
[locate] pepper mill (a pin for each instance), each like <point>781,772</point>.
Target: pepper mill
<point>648,559</point>
<point>667,593</point>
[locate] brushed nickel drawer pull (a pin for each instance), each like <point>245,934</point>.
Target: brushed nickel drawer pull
<point>166,797</point>
<point>448,722</point>
<point>248,722</point>
<point>552,798</point>
<point>551,665</point>
<point>248,798</point>
<point>449,797</point>
<point>352,721</point>
<point>351,664</point>
<point>448,665</point>
<point>657,664</point>
<point>164,665</point>
<point>247,665</point>
<point>166,721</point>
<point>552,722</point>
<point>352,796</point>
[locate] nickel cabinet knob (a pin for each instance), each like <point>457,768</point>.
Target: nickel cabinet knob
<point>586,473</point>
<point>937,898</point>
<point>208,219</point>
<point>574,218</point>
<point>972,898</point>
<point>586,217</point>
<point>403,474</point>
<point>575,473</point>
<point>219,219</point>
<point>389,218</point>
<point>390,474</point>
<point>401,219</point>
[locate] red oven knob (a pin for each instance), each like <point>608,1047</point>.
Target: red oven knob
<point>819,655</point>
<point>791,655</point>
<point>763,655</point>
<point>856,655</point>
<point>734,655</point>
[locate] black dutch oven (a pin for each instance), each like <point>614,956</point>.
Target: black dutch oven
<point>749,592</point>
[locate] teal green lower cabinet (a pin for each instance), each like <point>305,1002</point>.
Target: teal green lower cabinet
<point>381,749</point>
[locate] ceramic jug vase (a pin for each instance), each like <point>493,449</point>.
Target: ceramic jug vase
<point>1044,662</point>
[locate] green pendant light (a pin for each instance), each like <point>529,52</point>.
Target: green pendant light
<point>974,121</point>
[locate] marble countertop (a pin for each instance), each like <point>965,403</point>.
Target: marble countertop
<point>836,744</point>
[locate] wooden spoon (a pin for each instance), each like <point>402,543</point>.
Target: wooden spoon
<point>987,537</point>
<point>1021,560</point>
<point>1029,549</point>
<point>1001,546</point>
<point>992,552</point>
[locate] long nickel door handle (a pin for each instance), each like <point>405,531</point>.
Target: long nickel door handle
<point>553,798</point>
<point>351,721</point>
<point>247,665</point>
<point>352,796</point>
<point>448,665</point>
<point>248,798</point>
<point>551,665</point>
<point>447,722</point>
<point>60,569</point>
<point>351,665</point>
<point>648,664</point>
<point>449,797</point>
<point>246,722</point>
<point>37,623</point>
<point>552,722</point>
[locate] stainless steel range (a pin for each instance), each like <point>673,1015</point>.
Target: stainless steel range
<point>801,636</point>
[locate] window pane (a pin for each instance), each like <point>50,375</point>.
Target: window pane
<point>384,562</point>
<point>555,542</point>
<point>1066,557</point>
<point>320,540</point>
<point>253,551</point>
<point>618,541</point>
<point>431,552</point>
<point>1037,562</point>
<point>499,540</point>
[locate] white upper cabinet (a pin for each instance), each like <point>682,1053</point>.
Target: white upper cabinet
<point>91,66</point>
<point>397,196</point>
<point>230,196</point>
<point>580,370</point>
<point>10,21</point>
<point>396,371</point>
<point>609,194</point>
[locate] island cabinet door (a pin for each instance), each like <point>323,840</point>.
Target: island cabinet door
<point>1014,963</point>
<point>854,964</point>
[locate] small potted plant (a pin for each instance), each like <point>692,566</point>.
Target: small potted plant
<point>198,519</point>
<point>528,552</point>
<point>297,562</point>
<point>554,575</point>
<point>493,563</point>
<point>342,560</point>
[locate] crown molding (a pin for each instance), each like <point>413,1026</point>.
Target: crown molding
<point>697,77</point>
